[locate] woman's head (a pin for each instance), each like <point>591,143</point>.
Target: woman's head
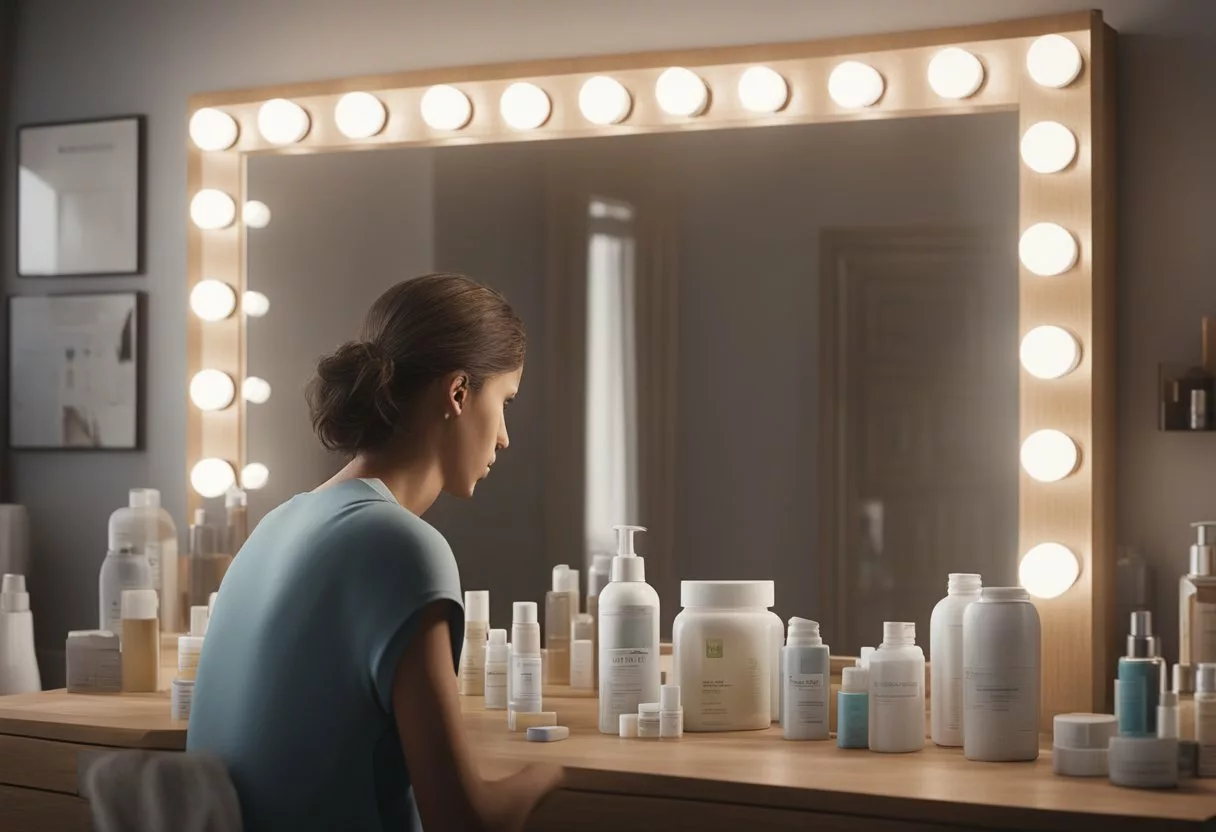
<point>437,361</point>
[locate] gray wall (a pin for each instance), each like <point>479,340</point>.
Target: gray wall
<point>82,59</point>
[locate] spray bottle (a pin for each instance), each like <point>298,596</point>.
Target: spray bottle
<point>628,636</point>
<point>18,665</point>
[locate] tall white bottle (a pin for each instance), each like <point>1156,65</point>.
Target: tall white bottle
<point>18,664</point>
<point>628,636</point>
<point>946,658</point>
<point>472,674</point>
<point>897,691</point>
<point>526,681</point>
<point>806,678</point>
<point>1001,661</point>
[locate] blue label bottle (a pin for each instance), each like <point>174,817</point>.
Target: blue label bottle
<point>853,709</point>
<point>1140,679</point>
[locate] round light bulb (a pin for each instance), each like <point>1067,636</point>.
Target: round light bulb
<point>1049,455</point>
<point>211,210</point>
<point>212,129</point>
<point>446,108</point>
<point>524,106</point>
<point>763,90</point>
<point>1048,147</point>
<point>955,73</point>
<point>212,390</point>
<point>1047,249</point>
<point>212,300</point>
<point>681,92</point>
<point>254,476</point>
<point>255,304</point>
<point>256,390</point>
<point>256,214</point>
<point>283,122</point>
<point>1048,570</point>
<point>604,100</point>
<point>1053,61</point>
<point>1050,352</point>
<point>853,84</point>
<point>212,477</point>
<point>360,115</point>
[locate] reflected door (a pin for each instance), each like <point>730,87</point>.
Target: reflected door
<point>918,346</point>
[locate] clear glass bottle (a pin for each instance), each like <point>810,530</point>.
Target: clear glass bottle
<point>1205,718</point>
<point>1197,600</point>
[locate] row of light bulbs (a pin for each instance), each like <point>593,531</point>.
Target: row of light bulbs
<point>1045,249</point>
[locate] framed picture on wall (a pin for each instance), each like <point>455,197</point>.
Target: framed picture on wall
<point>80,198</point>
<point>76,371</point>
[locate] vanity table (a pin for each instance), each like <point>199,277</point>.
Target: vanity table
<point>750,780</point>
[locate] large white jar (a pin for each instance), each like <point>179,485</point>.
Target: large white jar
<point>723,655</point>
<point>1001,664</point>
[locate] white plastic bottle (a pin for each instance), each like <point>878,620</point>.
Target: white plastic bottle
<point>156,536</point>
<point>806,677</point>
<point>897,691</point>
<point>1001,661</point>
<point>473,652</point>
<point>496,671</point>
<point>628,636</point>
<point>124,567</point>
<point>526,679</point>
<point>946,658</point>
<point>18,663</point>
<point>1205,718</point>
<point>777,634</point>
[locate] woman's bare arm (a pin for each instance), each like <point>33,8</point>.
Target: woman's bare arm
<point>450,792</point>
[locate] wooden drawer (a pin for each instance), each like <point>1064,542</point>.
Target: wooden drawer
<point>39,764</point>
<point>33,810</point>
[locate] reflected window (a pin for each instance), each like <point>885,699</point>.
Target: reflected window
<point>612,457</point>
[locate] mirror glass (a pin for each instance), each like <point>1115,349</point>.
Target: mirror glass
<point>790,352</point>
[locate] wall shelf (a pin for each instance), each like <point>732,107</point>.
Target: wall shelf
<point>1186,393</point>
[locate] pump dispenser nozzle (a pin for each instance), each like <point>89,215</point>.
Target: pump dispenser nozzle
<point>627,566</point>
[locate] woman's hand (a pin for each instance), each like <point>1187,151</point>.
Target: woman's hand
<point>450,791</point>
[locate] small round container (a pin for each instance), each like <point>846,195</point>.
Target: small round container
<point>725,650</point>
<point>649,721</point>
<point>671,715</point>
<point>629,726</point>
<point>1143,762</point>
<point>1079,744</point>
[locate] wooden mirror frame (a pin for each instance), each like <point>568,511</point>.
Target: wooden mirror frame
<point>1076,511</point>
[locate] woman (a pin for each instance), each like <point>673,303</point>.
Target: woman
<point>328,682</point>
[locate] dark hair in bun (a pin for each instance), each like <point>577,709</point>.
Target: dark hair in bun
<point>417,332</point>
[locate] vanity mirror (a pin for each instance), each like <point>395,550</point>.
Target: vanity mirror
<point>864,346</point>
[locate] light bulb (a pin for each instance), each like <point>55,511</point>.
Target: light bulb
<point>283,122</point>
<point>212,300</point>
<point>1053,61</point>
<point>256,214</point>
<point>255,304</point>
<point>1050,352</point>
<point>211,210</point>
<point>1047,249</point>
<point>254,476</point>
<point>1048,570</point>
<point>212,390</point>
<point>681,92</point>
<point>524,106</point>
<point>446,108</point>
<point>955,73</point>
<point>212,129</point>
<point>853,84</point>
<point>360,115</point>
<point>256,390</point>
<point>604,100</point>
<point>1049,455</point>
<point>211,477</point>
<point>1048,147</point>
<point>763,90</point>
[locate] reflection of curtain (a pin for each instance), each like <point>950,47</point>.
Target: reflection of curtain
<point>611,474</point>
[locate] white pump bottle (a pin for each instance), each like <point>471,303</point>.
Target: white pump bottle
<point>628,636</point>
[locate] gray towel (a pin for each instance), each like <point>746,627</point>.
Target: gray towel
<point>158,791</point>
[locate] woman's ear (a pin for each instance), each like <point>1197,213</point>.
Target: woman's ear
<point>458,391</point>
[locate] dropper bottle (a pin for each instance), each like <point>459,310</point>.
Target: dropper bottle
<point>628,636</point>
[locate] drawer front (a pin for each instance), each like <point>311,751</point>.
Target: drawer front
<point>31,810</point>
<point>39,764</point>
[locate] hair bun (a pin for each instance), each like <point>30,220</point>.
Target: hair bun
<point>351,397</point>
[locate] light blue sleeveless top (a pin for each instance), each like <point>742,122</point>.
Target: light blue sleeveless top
<point>294,688</point>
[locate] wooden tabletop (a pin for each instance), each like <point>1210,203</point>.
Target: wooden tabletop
<point>761,769</point>
<point>749,768</point>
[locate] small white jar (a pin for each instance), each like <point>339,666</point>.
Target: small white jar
<point>649,721</point>
<point>1001,666</point>
<point>723,646</point>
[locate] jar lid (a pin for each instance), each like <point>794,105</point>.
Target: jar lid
<point>138,604</point>
<point>1085,731</point>
<point>727,594</point>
